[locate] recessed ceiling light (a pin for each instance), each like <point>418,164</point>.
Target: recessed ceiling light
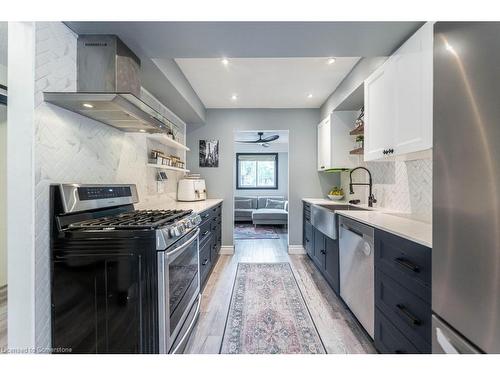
<point>142,130</point>
<point>234,97</point>
<point>331,60</point>
<point>88,105</point>
<point>309,96</point>
<point>224,61</point>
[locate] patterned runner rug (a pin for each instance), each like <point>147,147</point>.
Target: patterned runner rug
<point>249,232</point>
<point>267,313</point>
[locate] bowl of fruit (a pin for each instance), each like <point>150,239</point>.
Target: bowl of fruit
<point>336,194</point>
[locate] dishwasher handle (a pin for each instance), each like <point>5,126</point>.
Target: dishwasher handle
<point>357,233</point>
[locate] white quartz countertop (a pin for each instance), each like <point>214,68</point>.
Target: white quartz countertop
<point>389,221</point>
<point>197,207</point>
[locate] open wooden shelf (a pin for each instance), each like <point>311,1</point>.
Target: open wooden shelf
<point>358,131</point>
<point>163,139</point>
<point>357,151</point>
<point>161,166</point>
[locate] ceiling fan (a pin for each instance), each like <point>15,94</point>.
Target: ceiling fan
<point>264,142</point>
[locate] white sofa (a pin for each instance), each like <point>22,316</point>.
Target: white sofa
<point>256,210</point>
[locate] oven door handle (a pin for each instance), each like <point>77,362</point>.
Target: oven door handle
<point>186,244</point>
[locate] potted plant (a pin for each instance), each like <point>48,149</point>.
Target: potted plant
<point>360,140</point>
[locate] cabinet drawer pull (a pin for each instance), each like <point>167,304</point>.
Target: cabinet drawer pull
<point>413,320</point>
<point>205,262</point>
<point>407,264</point>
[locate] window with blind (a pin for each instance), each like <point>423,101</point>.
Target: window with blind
<point>257,171</point>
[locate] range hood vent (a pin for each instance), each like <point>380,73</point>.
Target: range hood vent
<point>109,88</point>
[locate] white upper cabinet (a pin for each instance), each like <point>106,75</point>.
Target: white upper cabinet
<point>379,112</point>
<point>334,141</point>
<point>398,100</point>
<point>324,145</point>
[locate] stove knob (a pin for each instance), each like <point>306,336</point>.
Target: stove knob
<point>171,231</point>
<point>175,231</point>
<point>188,224</point>
<point>181,228</point>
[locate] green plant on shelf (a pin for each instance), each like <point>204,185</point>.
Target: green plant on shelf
<point>360,139</point>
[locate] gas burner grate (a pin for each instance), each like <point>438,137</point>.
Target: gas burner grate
<point>139,219</point>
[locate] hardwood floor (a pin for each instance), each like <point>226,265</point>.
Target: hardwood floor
<point>339,330</point>
<point>3,318</point>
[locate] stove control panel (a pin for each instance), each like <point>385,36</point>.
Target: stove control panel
<point>168,235</point>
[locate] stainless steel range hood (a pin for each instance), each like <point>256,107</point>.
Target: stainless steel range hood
<point>109,88</point>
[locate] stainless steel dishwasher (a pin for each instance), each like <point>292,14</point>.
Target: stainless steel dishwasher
<point>356,248</point>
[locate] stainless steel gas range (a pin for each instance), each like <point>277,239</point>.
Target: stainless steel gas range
<point>122,280</point>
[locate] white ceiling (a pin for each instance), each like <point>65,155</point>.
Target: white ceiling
<point>265,82</point>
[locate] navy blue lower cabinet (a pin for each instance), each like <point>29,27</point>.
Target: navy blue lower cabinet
<point>388,339</point>
<point>308,239</point>
<point>319,249</point>
<point>332,263</point>
<point>406,261</point>
<point>210,241</point>
<point>323,251</point>
<point>402,295</point>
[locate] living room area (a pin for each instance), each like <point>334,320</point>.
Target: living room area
<point>261,190</point>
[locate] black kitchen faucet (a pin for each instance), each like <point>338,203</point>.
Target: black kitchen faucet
<point>371,197</point>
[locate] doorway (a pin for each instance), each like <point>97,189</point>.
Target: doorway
<point>260,190</point>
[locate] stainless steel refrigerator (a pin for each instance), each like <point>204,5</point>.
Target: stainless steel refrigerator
<point>466,188</point>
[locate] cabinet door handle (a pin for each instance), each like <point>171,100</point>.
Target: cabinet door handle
<point>323,252</point>
<point>205,262</point>
<point>407,264</point>
<point>384,152</point>
<point>408,315</point>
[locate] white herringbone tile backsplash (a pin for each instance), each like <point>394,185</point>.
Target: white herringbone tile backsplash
<point>72,148</point>
<point>404,186</point>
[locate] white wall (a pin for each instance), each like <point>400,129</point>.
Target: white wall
<point>20,186</point>
<point>53,145</point>
<point>304,180</point>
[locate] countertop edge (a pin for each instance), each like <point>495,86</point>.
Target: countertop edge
<point>405,235</point>
<point>199,206</point>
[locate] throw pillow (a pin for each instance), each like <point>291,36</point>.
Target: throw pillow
<point>273,203</point>
<point>243,204</point>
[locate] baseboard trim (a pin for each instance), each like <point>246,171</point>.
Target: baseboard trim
<point>296,249</point>
<point>226,250</point>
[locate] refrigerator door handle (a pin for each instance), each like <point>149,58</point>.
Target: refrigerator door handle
<point>445,343</point>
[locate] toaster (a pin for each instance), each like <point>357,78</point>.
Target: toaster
<point>190,190</point>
